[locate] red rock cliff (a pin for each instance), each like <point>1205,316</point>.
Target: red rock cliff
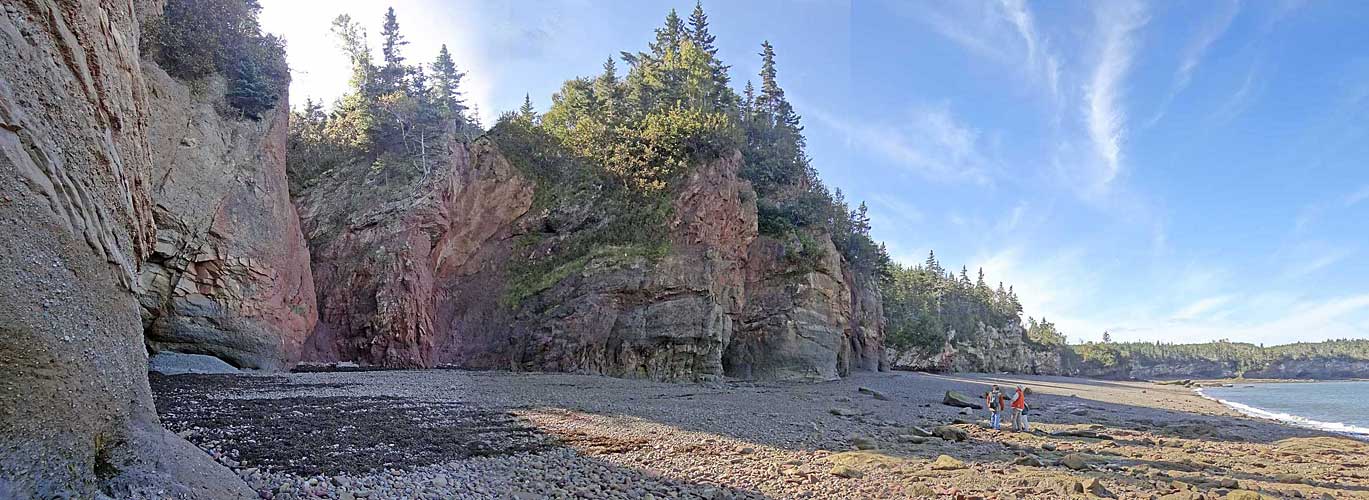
<point>421,280</point>
<point>229,275</point>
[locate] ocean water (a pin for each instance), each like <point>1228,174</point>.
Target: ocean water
<point>1341,407</point>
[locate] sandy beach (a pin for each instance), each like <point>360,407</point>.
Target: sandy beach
<point>447,433</point>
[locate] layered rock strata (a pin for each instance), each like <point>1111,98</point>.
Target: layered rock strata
<point>76,415</point>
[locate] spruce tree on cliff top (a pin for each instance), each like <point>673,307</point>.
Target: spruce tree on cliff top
<point>394,117</point>
<point>674,107</point>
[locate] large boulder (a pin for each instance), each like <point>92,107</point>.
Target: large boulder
<point>76,414</point>
<point>960,400</point>
<point>229,275</point>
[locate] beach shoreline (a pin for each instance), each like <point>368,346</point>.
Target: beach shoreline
<point>871,435</point>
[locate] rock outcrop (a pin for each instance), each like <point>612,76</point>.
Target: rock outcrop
<point>631,317</point>
<point>422,279</point>
<point>229,275</point>
<point>806,317</point>
<point>380,270</point>
<point>76,414</point>
<point>987,349</point>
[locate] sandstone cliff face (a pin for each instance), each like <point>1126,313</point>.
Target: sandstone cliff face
<point>631,317</point>
<point>421,282</point>
<point>805,318</point>
<point>378,269</point>
<point>229,275</point>
<point>76,415</point>
<point>988,349</point>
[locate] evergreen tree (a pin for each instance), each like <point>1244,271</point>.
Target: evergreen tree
<point>392,74</point>
<point>698,30</point>
<point>698,33</point>
<point>860,223</point>
<point>356,122</point>
<point>526,111</point>
<point>771,94</point>
<point>668,37</point>
<point>446,91</point>
<point>748,101</point>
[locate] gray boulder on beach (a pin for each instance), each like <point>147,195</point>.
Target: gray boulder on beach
<point>960,400</point>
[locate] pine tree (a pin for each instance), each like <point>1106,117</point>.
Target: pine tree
<point>668,37</point>
<point>392,75</point>
<point>698,33</point>
<point>860,222</point>
<point>748,100</point>
<point>698,30</point>
<point>771,94</point>
<point>606,90</point>
<point>526,111</point>
<point>446,82</point>
<point>932,265</point>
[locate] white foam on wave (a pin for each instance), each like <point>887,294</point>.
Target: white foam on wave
<point>1336,427</point>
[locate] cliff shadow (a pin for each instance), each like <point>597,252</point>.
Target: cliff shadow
<point>274,432</point>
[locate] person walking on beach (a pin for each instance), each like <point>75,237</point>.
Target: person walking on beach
<point>994,400</point>
<point>1019,404</point>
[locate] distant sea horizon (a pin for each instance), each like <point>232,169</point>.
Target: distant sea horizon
<point>1339,406</point>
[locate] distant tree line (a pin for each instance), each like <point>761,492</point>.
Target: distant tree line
<point>925,304</point>
<point>1242,357</point>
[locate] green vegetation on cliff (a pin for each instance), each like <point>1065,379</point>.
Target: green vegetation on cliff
<point>198,38</point>
<point>623,143</point>
<point>394,122</point>
<point>924,304</point>
<point>607,156</point>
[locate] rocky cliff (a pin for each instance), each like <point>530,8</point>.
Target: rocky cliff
<point>987,349</point>
<point>425,279</point>
<point>229,274</point>
<point>76,220</point>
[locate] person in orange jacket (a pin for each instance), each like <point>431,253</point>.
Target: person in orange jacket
<point>1019,405</point>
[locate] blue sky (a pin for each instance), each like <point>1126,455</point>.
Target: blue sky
<point>1177,171</point>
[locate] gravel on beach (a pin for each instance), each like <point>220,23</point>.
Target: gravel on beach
<point>499,435</point>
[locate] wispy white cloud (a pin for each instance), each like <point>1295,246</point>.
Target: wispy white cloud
<point>1001,31</point>
<point>931,142</point>
<point>1201,307</point>
<point>1308,265</point>
<point>1104,111</point>
<point>1196,50</point>
<point>1240,99</point>
<point>1039,55</point>
<point>1358,196</point>
<point>899,209</point>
